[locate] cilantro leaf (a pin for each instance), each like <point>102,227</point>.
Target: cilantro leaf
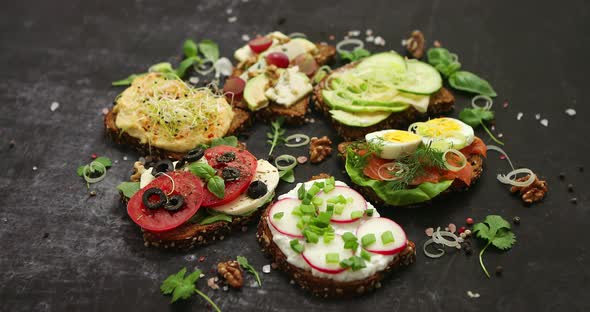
<point>105,161</point>
<point>172,282</point>
<point>182,287</point>
<point>244,264</point>
<point>80,170</point>
<point>475,116</point>
<point>496,231</point>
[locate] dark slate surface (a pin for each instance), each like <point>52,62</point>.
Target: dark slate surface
<point>62,250</point>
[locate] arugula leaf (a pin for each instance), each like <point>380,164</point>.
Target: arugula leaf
<point>287,175</point>
<point>202,170</point>
<point>186,64</point>
<point>244,263</point>
<point>209,49</point>
<point>229,140</point>
<point>216,186</point>
<point>443,60</point>
<point>125,81</point>
<point>496,231</point>
<point>216,218</point>
<point>128,188</point>
<point>190,48</point>
<point>105,161</point>
<point>276,136</point>
<point>182,287</point>
<point>355,55</point>
<point>470,82</point>
<point>474,116</point>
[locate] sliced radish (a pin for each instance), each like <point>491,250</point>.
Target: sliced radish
<point>287,224</point>
<point>378,226</point>
<point>315,255</point>
<point>358,205</point>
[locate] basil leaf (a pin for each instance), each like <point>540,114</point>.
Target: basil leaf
<point>216,218</point>
<point>128,188</point>
<point>216,186</point>
<point>443,60</point>
<point>202,170</point>
<point>287,175</point>
<point>127,81</point>
<point>474,116</point>
<point>163,67</point>
<point>466,81</point>
<point>186,64</point>
<point>190,48</point>
<point>105,161</point>
<point>229,141</point>
<point>209,49</point>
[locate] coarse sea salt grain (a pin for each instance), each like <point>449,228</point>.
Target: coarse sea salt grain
<point>266,268</point>
<point>537,116</point>
<point>369,32</point>
<point>472,294</point>
<point>232,19</point>
<point>354,33</point>
<point>519,116</point>
<point>545,122</point>
<point>570,112</point>
<point>245,37</point>
<point>54,106</point>
<point>370,39</point>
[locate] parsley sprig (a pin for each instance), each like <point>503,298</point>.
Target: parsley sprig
<point>182,287</point>
<point>496,231</point>
<point>248,267</point>
<point>275,137</point>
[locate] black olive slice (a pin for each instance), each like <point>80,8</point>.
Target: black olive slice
<point>226,157</point>
<point>230,174</point>
<point>175,202</point>
<point>194,154</point>
<point>148,198</point>
<point>257,189</point>
<point>180,164</point>
<point>162,166</point>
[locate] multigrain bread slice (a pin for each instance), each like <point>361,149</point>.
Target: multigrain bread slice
<point>475,160</point>
<point>240,121</point>
<point>441,102</point>
<point>323,287</point>
<point>295,114</point>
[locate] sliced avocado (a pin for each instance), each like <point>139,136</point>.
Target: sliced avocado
<point>386,60</point>
<point>359,119</point>
<point>254,92</point>
<point>337,102</point>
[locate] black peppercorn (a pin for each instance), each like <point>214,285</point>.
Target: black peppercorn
<point>570,188</point>
<point>516,220</point>
<point>574,200</point>
<point>562,176</point>
<point>499,270</point>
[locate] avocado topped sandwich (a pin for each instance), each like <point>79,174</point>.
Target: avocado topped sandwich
<point>383,91</point>
<point>273,76</point>
<point>402,168</point>
<point>161,115</point>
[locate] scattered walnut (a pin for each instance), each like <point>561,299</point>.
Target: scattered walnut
<point>415,44</point>
<point>231,272</point>
<point>532,193</point>
<point>319,149</point>
<point>272,73</point>
<point>138,170</point>
<point>322,175</point>
<point>437,44</point>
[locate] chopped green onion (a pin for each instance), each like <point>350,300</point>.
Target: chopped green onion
<point>324,218</point>
<point>297,211</point>
<point>313,190</point>
<point>319,184</point>
<point>370,212</point>
<point>310,236</point>
<point>332,257</point>
<point>330,208</point>
<point>296,137</point>
<point>368,239</point>
<point>387,237</point>
<point>337,199</point>
<point>365,255</point>
<point>356,214</point>
<point>295,245</point>
<point>278,215</point>
<point>306,218</point>
<point>301,192</point>
<point>316,201</point>
<point>355,263</point>
<point>308,209</point>
<point>348,236</point>
<point>330,185</point>
<point>338,209</point>
<point>352,245</point>
<point>329,236</point>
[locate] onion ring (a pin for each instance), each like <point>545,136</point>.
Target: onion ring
<point>462,159</point>
<point>295,137</point>
<point>439,239</point>
<point>501,151</point>
<point>92,166</point>
<point>432,255</point>
<point>205,71</point>
<point>297,35</point>
<point>392,167</point>
<point>358,43</point>
<point>288,158</point>
<point>510,177</point>
<point>488,102</point>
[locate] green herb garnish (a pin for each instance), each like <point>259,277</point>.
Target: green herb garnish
<point>296,245</point>
<point>275,137</point>
<point>368,240</point>
<point>182,287</point>
<point>356,214</point>
<point>95,171</point>
<point>216,218</point>
<point>332,257</point>
<point>496,231</point>
<point>387,237</point>
<point>287,175</point>
<point>228,140</point>
<point>476,117</point>
<point>209,49</point>
<point>355,55</point>
<point>128,188</point>
<point>244,263</point>
<point>215,183</point>
<point>370,212</point>
<point>355,263</point>
<point>365,255</point>
<point>278,215</point>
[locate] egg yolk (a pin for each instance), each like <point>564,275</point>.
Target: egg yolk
<point>400,136</point>
<point>439,126</point>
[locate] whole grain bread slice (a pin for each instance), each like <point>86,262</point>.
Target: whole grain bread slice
<point>295,114</point>
<point>240,121</point>
<point>475,160</point>
<point>323,287</point>
<point>441,102</point>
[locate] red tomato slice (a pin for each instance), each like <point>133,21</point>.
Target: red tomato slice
<point>477,147</point>
<point>245,162</point>
<point>159,220</point>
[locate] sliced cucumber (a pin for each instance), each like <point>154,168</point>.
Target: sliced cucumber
<point>336,102</point>
<point>386,60</point>
<point>359,119</point>
<point>420,78</point>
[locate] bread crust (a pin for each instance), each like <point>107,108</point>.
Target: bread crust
<point>323,287</point>
<point>441,102</point>
<point>475,160</point>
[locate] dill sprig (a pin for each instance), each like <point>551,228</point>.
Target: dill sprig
<point>275,137</point>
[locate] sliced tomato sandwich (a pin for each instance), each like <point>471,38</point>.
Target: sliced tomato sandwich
<point>401,168</point>
<point>200,198</point>
<point>383,91</point>
<point>273,76</point>
<point>331,241</point>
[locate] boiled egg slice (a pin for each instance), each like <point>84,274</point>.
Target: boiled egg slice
<point>444,133</point>
<point>394,144</point>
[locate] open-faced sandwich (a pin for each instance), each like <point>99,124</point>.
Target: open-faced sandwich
<point>383,91</point>
<point>272,77</point>
<point>401,168</point>
<point>331,241</point>
<point>199,198</point>
<point>161,115</point>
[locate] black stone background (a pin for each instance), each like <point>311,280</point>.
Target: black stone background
<point>61,250</point>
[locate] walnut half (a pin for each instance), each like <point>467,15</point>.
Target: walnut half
<point>532,193</point>
<point>319,149</point>
<point>232,273</point>
<point>415,44</point>
<point>138,170</point>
